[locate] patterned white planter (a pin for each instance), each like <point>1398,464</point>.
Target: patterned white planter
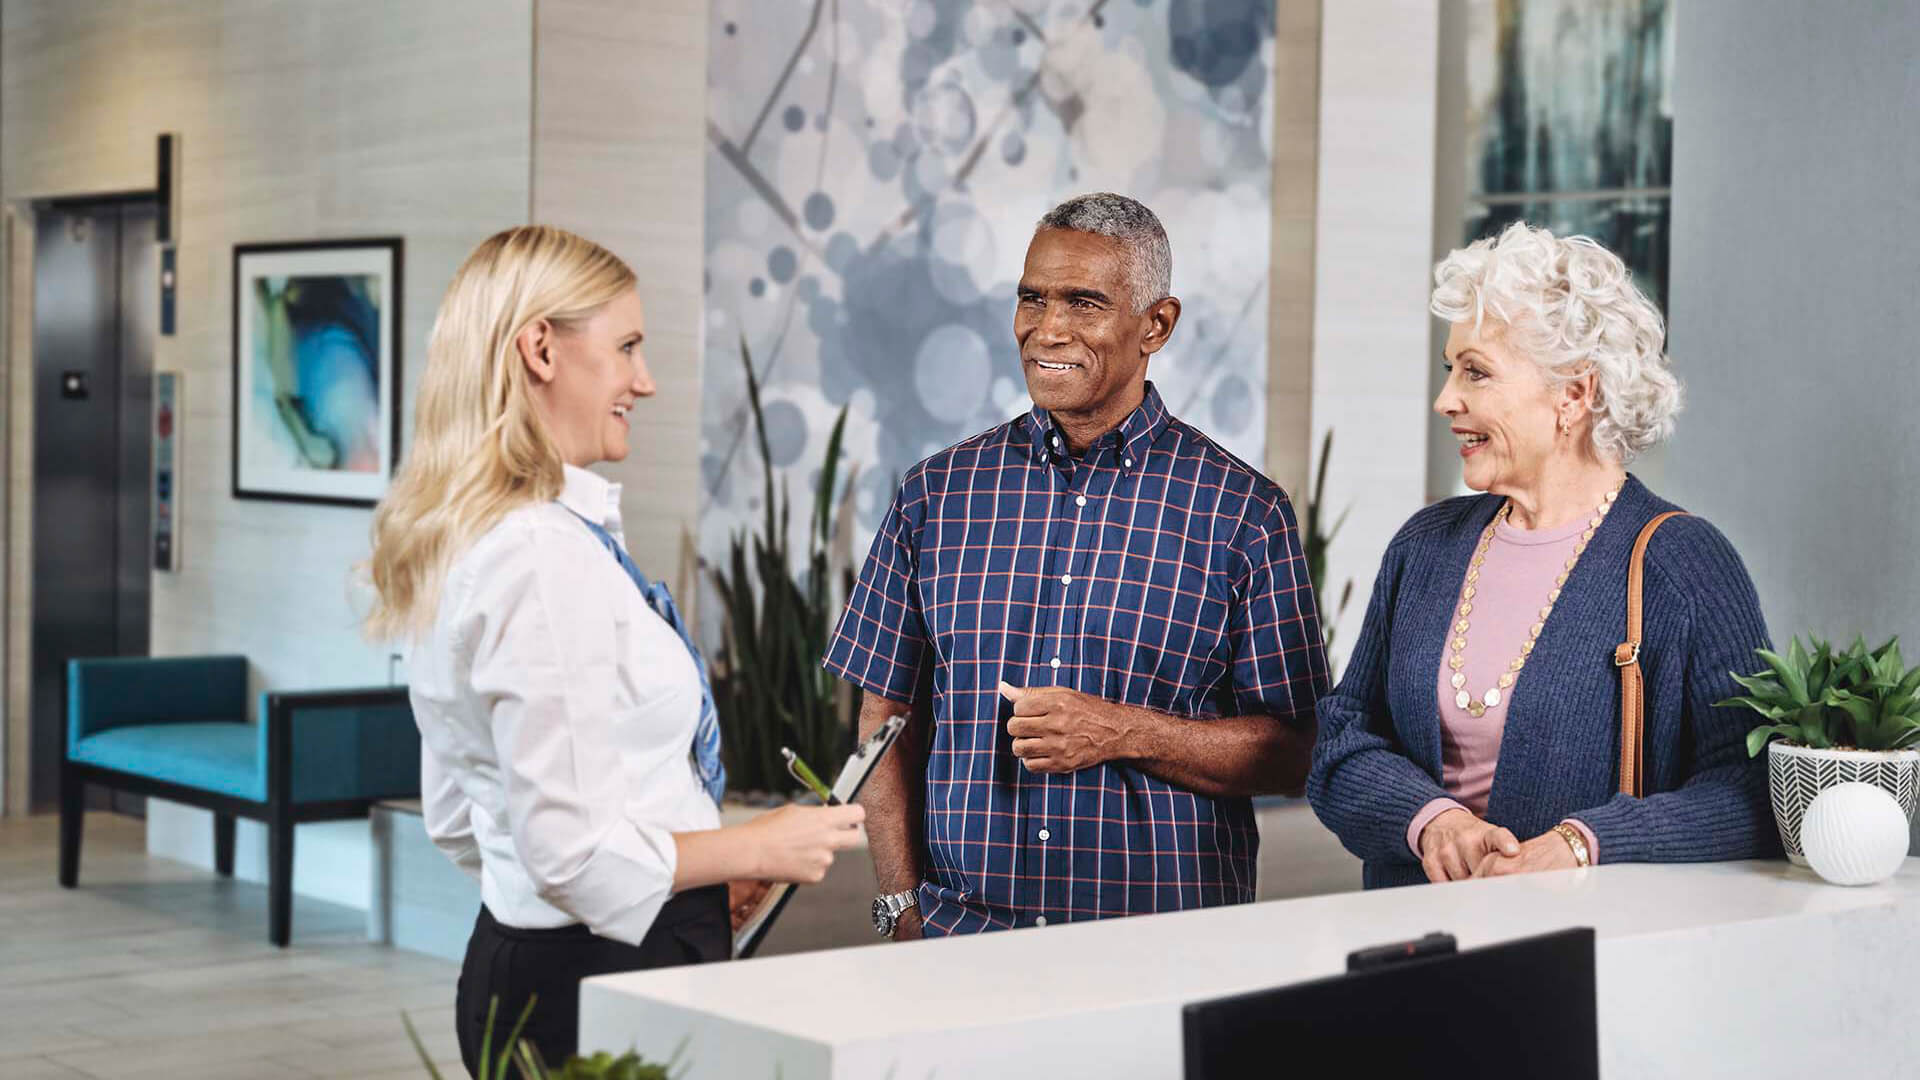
<point>1795,774</point>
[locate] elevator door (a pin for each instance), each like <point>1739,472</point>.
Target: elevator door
<point>95,311</point>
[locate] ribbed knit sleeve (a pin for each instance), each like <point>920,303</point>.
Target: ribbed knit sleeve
<point>1721,810</point>
<point>1362,786</point>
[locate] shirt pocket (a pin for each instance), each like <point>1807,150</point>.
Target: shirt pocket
<point>1172,615</point>
<point>971,597</point>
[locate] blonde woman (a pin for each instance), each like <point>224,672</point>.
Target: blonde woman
<point>570,756</point>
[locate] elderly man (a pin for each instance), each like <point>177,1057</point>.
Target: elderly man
<point>1101,620</point>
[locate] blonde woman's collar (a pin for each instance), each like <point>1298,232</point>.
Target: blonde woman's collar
<point>592,496</point>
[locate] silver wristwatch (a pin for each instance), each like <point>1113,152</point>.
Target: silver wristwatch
<point>888,909</point>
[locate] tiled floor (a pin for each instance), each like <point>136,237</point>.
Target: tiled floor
<point>156,970</point>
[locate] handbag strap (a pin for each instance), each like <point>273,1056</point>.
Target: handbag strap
<point>1626,657</point>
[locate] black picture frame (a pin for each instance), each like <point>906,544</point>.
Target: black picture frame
<point>252,482</point>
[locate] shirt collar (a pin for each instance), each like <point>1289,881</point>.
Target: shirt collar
<point>1128,442</point>
<point>593,497</point>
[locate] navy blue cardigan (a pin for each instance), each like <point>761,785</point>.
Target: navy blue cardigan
<point>1377,761</point>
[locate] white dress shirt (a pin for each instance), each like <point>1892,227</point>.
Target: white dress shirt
<point>557,714</point>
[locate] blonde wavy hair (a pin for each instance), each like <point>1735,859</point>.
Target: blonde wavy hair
<point>1571,306</point>
<point>479,448</point>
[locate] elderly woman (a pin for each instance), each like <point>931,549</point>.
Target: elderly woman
<point>1477,729</point>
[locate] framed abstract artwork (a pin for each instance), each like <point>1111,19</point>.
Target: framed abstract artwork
<point>1570,124</point>
<point>316,370</point>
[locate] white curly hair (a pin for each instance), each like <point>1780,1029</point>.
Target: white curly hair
<point>1571,306</point>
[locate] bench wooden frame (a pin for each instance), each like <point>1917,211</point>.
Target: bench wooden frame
<point>279,811</point>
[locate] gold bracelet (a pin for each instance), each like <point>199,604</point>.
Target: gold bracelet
<point>1572,836</point>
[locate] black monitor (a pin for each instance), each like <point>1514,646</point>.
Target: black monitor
<point>1522,1008</point>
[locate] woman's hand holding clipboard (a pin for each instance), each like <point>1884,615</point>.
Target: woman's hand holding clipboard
<point>853,776</point>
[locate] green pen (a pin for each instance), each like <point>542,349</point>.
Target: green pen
<point>799,771</point>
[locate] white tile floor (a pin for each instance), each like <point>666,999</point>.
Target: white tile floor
<point>155,970</point>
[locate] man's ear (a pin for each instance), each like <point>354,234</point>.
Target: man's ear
<point>535,346</point>
<point>1161,318</point>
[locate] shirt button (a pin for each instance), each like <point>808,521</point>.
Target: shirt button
<point>1080,500</point>
<point>1039,920</point>
<point>1066,579</point>
<point>1055,662</point>
<point>1129,463</point>
<point>1046,834</point>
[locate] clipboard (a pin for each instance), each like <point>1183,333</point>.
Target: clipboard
<point>853,776</point>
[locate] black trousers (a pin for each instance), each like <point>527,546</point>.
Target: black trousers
<point>512,964</point>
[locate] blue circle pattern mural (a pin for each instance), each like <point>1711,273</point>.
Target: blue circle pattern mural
<point>874,172</point>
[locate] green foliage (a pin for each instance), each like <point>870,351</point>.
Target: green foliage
<point>420,1048</point>
<point>769,687</point>
<point>527,1061</point>
<point>1859,699</point>
<point>1316,542</point>
<point>601,1066</point>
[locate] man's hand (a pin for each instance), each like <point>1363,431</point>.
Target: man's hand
<point>1548,851</point>
<point>742,898</point>
<point>1056,730</point>
<point>1456,844</point>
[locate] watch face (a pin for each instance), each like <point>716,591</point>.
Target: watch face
<point>882,919</point>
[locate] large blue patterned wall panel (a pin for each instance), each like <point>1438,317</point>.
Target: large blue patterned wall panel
<point>874,171</point>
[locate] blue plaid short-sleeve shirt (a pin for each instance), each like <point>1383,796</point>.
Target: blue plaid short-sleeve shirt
<point>1156,570</point>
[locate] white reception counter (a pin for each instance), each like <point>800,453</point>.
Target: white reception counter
<point>1732,969</point>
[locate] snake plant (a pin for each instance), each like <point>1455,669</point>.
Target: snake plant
<point>769,687</point>
<point>1316,539</point>
<point>1859,699</point>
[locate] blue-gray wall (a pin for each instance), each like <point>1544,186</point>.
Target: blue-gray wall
<point>1796,301</point>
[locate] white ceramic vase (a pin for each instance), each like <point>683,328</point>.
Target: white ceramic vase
<point>1796,775</point>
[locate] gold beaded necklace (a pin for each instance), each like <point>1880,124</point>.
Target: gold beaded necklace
<point>1462,697</point>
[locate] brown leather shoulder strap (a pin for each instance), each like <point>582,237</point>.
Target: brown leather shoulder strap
<point>1633,704</point>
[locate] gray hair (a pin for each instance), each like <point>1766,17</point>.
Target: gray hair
<point>1572,307</point>
<point>1149,260</point>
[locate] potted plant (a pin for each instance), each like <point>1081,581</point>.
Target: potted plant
<point>768,685</point>
<point>1833,718</point>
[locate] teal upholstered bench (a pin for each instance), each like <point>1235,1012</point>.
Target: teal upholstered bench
<point>177,729</point>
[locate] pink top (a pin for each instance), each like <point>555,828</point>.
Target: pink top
<point>1514,585</point>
